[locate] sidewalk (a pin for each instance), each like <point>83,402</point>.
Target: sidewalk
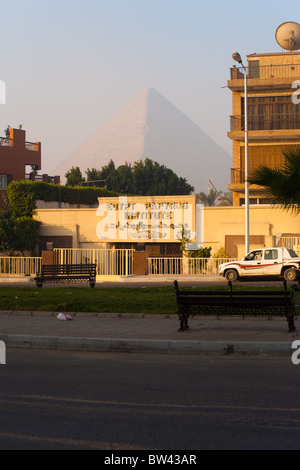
<point>147,333</point>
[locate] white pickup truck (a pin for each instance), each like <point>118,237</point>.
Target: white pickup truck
<point>279,262</point>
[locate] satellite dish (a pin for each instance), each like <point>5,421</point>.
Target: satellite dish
<point>288,36</point>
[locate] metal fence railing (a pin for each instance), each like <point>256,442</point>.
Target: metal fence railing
<point>186,266</point>
<point>165,266</point>
<point>110,262</point>
<point>205,266</point>
<point>6,142</point>
<point>266,71</point>
<point>20,265</point>
<point>34,146</point>
<point>263,122</point>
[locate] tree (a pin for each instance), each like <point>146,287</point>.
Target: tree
<point>107,173</point>
<point>152,179</point>
<point>282,185</point>
<point>145,178</point>
<point>125,179</point>
<point>199,253</point>
<point>7,132</point>
<point>17,233</point>
<point>93,177</point>
<point>209,199</point>
<point>18,230</point>
<point>6,232</point>
<point>212,198</point>
<point>74,177</point>
<point>226,199</point>
<point>20,199</point>
<point>26,231</point>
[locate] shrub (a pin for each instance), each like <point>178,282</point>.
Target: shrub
<point>22,195</point>
<point>221,253</point>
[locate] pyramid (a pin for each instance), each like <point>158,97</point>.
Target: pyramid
<point>149,126</point>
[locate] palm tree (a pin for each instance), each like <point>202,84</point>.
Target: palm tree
<point>282,185</point>
<point>212,198</point>
<point>226,198</point>
<point>208,199</point>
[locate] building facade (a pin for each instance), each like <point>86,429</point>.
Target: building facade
<point>15,154</point>
<point>273,118</point>
<point>154,225</point>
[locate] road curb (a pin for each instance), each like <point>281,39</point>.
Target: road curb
<point>146,346</point>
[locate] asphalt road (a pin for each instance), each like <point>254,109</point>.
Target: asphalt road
<point>66,400</point>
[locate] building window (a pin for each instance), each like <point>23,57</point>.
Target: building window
<point>255,200</point>
<point>271,112</point>
<point>265,200</point>
<point>3,182</point>
<point>170,249</point>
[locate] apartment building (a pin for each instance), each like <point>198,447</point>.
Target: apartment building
<point>15,155</point>
<point>273,117</point>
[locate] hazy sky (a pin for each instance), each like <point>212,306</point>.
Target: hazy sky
<point>70,65</point>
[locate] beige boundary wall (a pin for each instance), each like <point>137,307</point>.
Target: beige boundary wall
<point>225,226</point>
<point>122,220</point>
<point>219,226</point>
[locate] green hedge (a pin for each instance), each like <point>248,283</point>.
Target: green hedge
<point>22,195</point>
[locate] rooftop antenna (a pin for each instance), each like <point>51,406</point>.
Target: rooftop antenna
<point>288,36</point>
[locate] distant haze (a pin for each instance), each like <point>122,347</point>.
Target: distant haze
<point>149,126</point>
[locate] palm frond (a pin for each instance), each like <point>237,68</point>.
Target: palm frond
<point>282,185</point>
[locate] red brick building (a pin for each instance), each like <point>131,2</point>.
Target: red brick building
<point>16,154</point>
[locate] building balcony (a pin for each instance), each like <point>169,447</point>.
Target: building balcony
<point>261,76</point>
<point>237,176</point>
<point>237,182</point>
<point>45,178</point>
<point>266,71</point>
<point>16,153</point>
<point>261,122</point>
<point>6,142</point>
<point>262,127</point>
<point>33,146</point>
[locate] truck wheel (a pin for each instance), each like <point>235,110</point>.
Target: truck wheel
<point>231,275</point>
<point>290,274</point>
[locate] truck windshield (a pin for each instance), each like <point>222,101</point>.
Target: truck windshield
<point>292,253</point>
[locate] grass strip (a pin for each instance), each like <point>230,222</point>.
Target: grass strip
<point>155,300</point>
<point>145,300</point>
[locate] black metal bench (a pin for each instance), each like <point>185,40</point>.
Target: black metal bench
<point>65,273</point>
<point>228,302</point>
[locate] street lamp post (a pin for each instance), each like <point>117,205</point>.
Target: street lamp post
<point>236,56</point>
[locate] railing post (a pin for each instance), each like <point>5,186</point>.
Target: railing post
<point>47,257</point>
<point>126,262</point>
<point>185,265</point>
<point>140,266</point>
